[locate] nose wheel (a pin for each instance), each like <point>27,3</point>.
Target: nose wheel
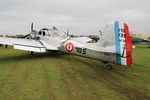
<point>109,66</point>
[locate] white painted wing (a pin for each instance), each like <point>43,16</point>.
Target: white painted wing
<point>50,45</point>
<point>82,39</point>
<point>23,44</point>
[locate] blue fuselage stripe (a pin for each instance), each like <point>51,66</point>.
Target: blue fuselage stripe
<point>118,58</point>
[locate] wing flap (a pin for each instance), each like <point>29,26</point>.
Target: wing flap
<point>50,46</point>
<point>29,48</point>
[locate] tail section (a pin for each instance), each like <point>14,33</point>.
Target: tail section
<point>117,36</point>
<point>123,44</point>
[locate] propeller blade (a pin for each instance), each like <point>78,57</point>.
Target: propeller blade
<point>100,32</point>
<point>32,26</point>
<point>26,35</point>
<point>54,28</point>
<point>68,32</point>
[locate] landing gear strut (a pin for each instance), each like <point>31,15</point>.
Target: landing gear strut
<point>109,67</point>
<point>31,52</point>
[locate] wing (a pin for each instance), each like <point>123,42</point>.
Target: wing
<point>50,44</point>
<point>82,39</point>
<point>24,44</point>
<point>147,40</point>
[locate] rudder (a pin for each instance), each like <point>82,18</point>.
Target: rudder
<point>123,43</point>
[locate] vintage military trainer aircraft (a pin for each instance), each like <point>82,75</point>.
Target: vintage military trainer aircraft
<point>114,46</point>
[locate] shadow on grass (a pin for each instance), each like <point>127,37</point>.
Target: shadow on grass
<point>24,57</point>
<point>143,46</point>
<point>108,78</point>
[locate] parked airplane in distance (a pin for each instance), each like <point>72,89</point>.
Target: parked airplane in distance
<point>140,40</point>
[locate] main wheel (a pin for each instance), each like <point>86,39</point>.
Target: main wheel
<point>31,52</point>
<point>109,67</point>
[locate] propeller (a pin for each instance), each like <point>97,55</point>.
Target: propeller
<point>31,26</point>
<point>67,33</point>
<point>54,28</point>
<point>100,32</point>
<point>26,35</point>
<point>32,33</point>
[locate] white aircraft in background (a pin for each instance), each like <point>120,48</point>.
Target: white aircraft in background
<point>114,46</point>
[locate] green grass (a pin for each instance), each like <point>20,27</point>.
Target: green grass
<point>68,77</point>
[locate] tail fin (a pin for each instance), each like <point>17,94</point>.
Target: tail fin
<point>117,36</point>
<point>123,43</point>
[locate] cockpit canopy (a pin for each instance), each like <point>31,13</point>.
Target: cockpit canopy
<point>53,33</point>
<point>44,32</point>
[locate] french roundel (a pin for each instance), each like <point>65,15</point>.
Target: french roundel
<point>69,47</point>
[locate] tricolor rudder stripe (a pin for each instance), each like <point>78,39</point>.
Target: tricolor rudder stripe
<point>128,45</point>
<point>123,43</point>
<point>117,42</point>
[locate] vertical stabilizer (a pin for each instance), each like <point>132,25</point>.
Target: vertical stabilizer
<point>123,43</point>
<point>116,36</point>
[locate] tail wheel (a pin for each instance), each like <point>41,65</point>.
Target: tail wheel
<point>109,67</point>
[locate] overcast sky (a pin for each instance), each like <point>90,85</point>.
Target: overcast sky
<point>80,16</point>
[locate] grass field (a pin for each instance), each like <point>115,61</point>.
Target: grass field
<point>68,77</point>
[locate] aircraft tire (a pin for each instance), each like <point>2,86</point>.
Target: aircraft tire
<point>109,67</point>
<point>31,52</point>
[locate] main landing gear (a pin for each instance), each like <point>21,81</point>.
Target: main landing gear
<point>31,52</point>
<point>109,66</point>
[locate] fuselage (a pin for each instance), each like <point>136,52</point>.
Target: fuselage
<point>88,50</point>
<point>62,42</point>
